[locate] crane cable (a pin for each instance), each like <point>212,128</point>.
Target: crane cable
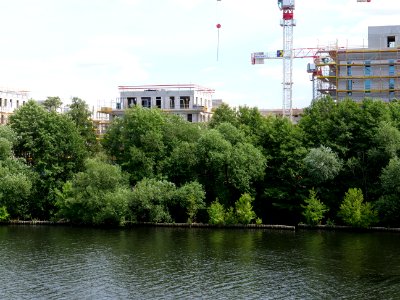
<point>218,26</point>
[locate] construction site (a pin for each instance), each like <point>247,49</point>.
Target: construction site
<point>357,73</point>
<point>191,102</point>
<point>336,70</point>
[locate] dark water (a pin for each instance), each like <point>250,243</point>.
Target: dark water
<point>40,262</point>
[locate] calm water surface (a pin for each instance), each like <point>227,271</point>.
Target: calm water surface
<point>41,262</point>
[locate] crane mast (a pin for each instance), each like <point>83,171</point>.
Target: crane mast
<point>287,23</point>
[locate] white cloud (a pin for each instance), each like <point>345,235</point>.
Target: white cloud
<point>88,48</point>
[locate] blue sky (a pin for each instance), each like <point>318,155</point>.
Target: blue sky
<point>86,48</point>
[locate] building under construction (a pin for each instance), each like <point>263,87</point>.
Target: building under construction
<point>357,73</point>
<point>192,102</point>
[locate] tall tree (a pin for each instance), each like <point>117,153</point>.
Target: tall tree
<point>51,144</point>
<point>52,103</point>
<point>136,142</point>
<point>17,179</point>
<point>81,115</point>
<point>282,190</point>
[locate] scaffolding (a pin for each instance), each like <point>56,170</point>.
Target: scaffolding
<point>356,73</point>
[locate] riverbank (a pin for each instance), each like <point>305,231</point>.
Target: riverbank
<point>203,225</point>
<point>150,224</point>
<point>345,228</point>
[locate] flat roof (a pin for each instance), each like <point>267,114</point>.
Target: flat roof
<point>157,87</point>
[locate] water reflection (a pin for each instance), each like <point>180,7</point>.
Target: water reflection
<point>39,262</point>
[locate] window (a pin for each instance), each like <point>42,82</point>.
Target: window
<point>146,102</point>
<point>184,102</point>
<point>367,85</point>
<point>367,68</point>
<point>158,102</point>
<point>391,95</point>
<point>132,101</point>
<point>1,102</point>
<point>349,68</point>
<point>391,83</point>
<point>391,41</point>
<point>172,102</point>
<point>391,67</point>
<point>190,118</point>
<point>349,84</point>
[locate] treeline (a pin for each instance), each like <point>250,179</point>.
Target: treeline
<point>338,165</point>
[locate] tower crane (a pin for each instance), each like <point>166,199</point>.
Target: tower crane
<point>287,54</point>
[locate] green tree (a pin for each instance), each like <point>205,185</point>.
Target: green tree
<point>388,204</point>
<point>182,164</point>
<point>51,144</point>
<point>227,170</point>
<point>16,186</point>
<point>283,146</point>
<point>387,139</point>
<point>361,135</point>
<point>216,213</point>
<point>81,115</point>
<point>231,133</point>
<point>251,123</point>
<point>213,153</point>
<point>322,164</point>
<point>314,210</point>
<point>98,195</point>
<point>355,212</point>
<point>4,215</point>
<point>190,197</point>
<point>246,165</point>
<point>52,103</point>
<point>151,200</point>
<point>224,114</point>
<point>136,142</point>
<point>244,209</point>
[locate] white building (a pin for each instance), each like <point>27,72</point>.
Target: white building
<point>10,100</point>
<point>192,102</point>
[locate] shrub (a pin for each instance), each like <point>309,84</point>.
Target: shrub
<point>355,212</point>
<point>4,215</point>
<point>244,209</point>
<point>242,213</point>
<point>191,198</point>
<point>314,209</point>
<point>151,200</point>
<point>216,213</point>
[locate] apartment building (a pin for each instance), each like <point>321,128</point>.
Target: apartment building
<point>357,73</point>
<point>10,100</point>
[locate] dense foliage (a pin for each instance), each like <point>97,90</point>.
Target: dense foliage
<point>339,164</point>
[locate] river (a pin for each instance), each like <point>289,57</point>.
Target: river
<point>55,262</point>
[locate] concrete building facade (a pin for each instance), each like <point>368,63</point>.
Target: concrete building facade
<point>189,101</point>
<point>10,100</point>
<point>358,73</point>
